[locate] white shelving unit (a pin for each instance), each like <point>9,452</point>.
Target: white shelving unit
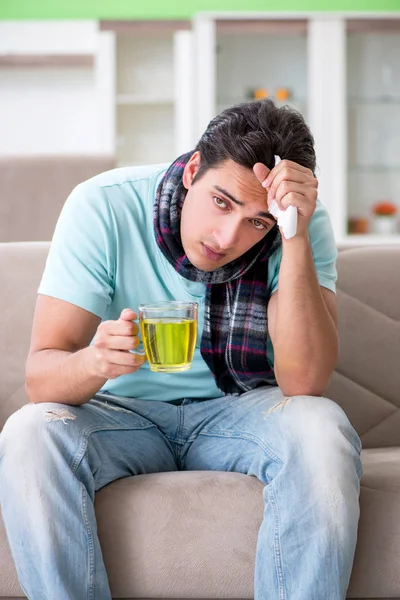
<point>55,89</point>
<point>238,53</point>
<point>143,99</point>
<point>152,92</point>
<point>278,61</point>
<point>145,91</point>
<point>343,73</point>
<point>373,133</point>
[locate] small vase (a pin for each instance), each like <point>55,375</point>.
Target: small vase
<point>384,224</point>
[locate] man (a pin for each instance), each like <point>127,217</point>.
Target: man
<point>199,229</point>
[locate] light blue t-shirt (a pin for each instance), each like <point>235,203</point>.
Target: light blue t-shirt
<point>104,258</point>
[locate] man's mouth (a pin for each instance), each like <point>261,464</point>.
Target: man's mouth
<point>212,254</point>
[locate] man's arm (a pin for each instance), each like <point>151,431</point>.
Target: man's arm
<point>302,323</point>
<point>62,366</point>
<point>301,315</point>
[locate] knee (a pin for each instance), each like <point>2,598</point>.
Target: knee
<point>329,450</point>
<point>27,436</point>
<point>319,415</point>
<point>321,426</point>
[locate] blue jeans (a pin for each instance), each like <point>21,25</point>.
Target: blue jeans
<point>53,458</point>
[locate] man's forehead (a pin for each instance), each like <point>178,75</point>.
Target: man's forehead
<point>240,177</point>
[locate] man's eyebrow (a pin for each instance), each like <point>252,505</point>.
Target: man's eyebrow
<point>228,195</point>
<point>267,215</point>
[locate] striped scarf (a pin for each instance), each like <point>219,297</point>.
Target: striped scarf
<point>235,333</point>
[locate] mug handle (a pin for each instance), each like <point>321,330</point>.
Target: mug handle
<point>140,349</point>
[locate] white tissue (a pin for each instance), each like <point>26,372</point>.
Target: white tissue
<point>287,219</point>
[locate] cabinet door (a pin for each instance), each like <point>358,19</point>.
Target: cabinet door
<point>144,111</point>
<point>243,57</point>
<point>153,110</point>
<point>48,89</point>
<point>373,133</point>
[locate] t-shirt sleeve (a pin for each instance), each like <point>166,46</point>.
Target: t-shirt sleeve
<point>324,252</point>
<point>80,264</point>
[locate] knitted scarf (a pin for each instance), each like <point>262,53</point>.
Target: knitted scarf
<point>235,333</point>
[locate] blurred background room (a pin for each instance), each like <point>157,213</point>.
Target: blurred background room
<point>86,87</point>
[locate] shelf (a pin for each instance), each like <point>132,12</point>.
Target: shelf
<point>230,101</point>
<point>142,100</point>
<point>383,100</point>
<point>373,169</point>
<point>261,26</point>
<point>46,60</point>
<point>139,26</point>
<point>366,239</point>
<point>375,25</point>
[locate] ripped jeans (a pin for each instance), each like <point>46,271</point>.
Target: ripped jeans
<point>53,458</point>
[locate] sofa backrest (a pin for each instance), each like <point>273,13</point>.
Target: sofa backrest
<point>21,266</point>
<point>366,382</point>
<point>34,189</point>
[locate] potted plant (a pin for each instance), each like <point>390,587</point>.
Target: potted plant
<point>384,217</point>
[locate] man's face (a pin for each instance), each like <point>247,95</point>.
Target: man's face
<point>225,213</point>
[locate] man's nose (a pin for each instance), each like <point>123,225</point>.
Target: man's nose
<point>227,234</point>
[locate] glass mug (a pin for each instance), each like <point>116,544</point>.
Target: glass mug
<point>169,333</point>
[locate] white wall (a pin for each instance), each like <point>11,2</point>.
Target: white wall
<point>53,37</point>
<point>56,110</point>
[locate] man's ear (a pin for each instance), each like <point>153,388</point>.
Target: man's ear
<point>191,168</point>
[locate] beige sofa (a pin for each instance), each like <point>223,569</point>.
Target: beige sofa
<point>193,535</point>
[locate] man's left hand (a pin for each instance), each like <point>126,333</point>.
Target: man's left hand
<point>290,184</point>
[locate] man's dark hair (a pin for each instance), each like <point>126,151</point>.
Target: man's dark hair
<point>254,132</point>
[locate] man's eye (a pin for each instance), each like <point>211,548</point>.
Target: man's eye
<point>258,225</point>
<point>219,202</point>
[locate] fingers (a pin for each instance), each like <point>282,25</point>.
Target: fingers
<point>117,335</point>
<point>286,170</point>
<point>291,179</point>
<point>290,169</point>
<point>294,194</point>
<point>118,342</point>
<point>119,328</point>
<point>114,363</point>
<point>124,359</point>
<point>291,184</point>
<point>122,327</point>
<point>128,315</point>
<point>113,345</point>
<point>261,172</point>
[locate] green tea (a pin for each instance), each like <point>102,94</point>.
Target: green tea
<point>169,343</point>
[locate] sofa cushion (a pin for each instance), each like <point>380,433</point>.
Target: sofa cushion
<point>178,534</point>
<point>193,534</point>
<point>376,566</point>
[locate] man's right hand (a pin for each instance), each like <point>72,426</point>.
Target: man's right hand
<point>111,356</point>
